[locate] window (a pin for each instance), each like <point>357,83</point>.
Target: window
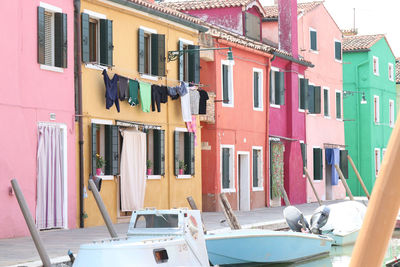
<point>338,50</point>
<point>277,87</point>
<point>376,109</point>
<point>252,26</point>
<point>257,89</point>
<point>97,39</point>
<point>326,102</point>
<point>314,99</point>
<point>317,157</point>
<point>391,113</point>
<point>105,142</point>
<point>375,65</point>
<point>184,153</point>
<point>52,36</point>
<point>313,39</point>
<point>155,152</point>
<point>338,105</point>
<point>151,52</point>
<point>377,153</point>
<point>258,168</point>
<point>344,163</point>
<point>303,91</point>
<point>189,62</point>
<point>227,83</point>
<point>390,70</point>
<point>303,148</point>
<point>227,168</point>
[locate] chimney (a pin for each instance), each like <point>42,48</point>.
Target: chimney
<point>287,26</point>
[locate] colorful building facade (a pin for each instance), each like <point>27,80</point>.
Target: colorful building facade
<point>37,114</point>
<point>369,104</point>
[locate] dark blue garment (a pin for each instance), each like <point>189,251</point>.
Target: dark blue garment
<point>111,90</point>
<point>332,156</point>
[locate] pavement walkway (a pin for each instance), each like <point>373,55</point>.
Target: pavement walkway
<point>22,252</point>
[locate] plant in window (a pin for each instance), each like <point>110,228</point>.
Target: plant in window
<point>149,163</point>
<point>100,162</point>
<point>182,167</point>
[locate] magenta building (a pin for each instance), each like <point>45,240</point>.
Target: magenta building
<point>37,115</point>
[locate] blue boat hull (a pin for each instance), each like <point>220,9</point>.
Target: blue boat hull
<point>264,246</point>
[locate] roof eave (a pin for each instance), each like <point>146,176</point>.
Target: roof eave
<point>304,63</point>
<point>357,50</point>
<point>269,19</point>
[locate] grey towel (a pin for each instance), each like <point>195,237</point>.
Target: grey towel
<point>123,88</point>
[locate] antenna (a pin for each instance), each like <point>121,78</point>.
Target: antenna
<point>354,19</point>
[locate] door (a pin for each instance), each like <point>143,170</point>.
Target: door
<point>276,172</point>
<point>244,180</point>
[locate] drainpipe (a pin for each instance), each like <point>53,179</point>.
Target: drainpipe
<point>78,91</point>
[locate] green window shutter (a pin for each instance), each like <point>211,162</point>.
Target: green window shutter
<point>111,149</point>
<point>180,62</point>
<point>338,50</point>
<point>344,164</point>
<point>326,99</point>
<point>41,35</point>
<point>255,168</point>
<point>158,54</point>
<point>159,151</point>
<point>141,51</point>
<point>106,42</point>
<point>338,106</point>
<point>317,99</point>
<point>162,152</point>
<point>176,152</point>
<point>60,39</point>
<point>279,88</point>
<point>303,148</point>
<point>94,146</point>
<point>317,163</point>
<point>85,37</point>
<point>225,83</point>
<point>194,64</point>
<point>256,90</point>
<point>313,40</point>
<point>303,93</point>
<point>270,86</point>
<point>310,99</point>
<point>225,168</point>
<point>189,152</point>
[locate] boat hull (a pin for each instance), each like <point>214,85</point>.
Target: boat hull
<point>264,246</point>
<point>344,239</point>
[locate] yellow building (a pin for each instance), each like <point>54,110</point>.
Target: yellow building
<point>132,39</point>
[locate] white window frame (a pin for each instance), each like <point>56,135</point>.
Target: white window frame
<point>376,109</point>
<point>302,142</point>
<point>377,65</point>
<point>260,89</point>
<point>230,85</point>
<point>391,72</point>
<point>329,100</point>
<point>182,176</point>
<point>272,105</point>
<point>232,189</point>
<point>334,51</point>
<point>258,188</point>
<point>391,113</point>
<point>341,105</point>
<point>377,159</point>
<point>300,77</point>
<point>310,29</point>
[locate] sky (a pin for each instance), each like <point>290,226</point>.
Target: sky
<point>371,17</point>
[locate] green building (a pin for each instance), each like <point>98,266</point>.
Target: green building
<point>369,104</point>
<point>398,84</point>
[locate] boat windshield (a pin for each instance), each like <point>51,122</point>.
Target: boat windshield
<point>156,221</point>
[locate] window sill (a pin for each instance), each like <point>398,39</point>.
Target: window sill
<point>376,73</point>
<point>258,109</point>
<point>302,110</point>
<point>317,181</point>
<point>314,51</point>
<point>184,176</point>
<point>338,61</point>
<point>327,117</point>
<point>274,106</point>
<point>258,189</point>
<point>339,119</point>
<point>154,177</point>
<point>230,190</point>
<point>149,77</point>
<point>95,67</point>
<point>51,68</point>
<point>227,105</point>
<point>106,177</point>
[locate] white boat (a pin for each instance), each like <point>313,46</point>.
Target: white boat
<point>155,238</point>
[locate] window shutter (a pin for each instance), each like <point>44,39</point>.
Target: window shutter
<point>94,147</point>
<point>303,148</point>
<point>159,151</point>
<point>317,163</point>
<point>338,106</point>
<point>317,99</point>
<point>194,64</point>
<point>255,89</point>
<point>85,37</point>
<point>310,99</point>
<point>281,88</point>
<point>225,168</point>
<point>338,50</point>
<point>176,152</point>
<point>255,168</point>
<point>41,35</point>
<point>344,164</point>
<point>158,54</point>
<point>180,62</point>
<point>225,84</point>
<point>271,87</point>
<point>303,93</point>
<point>141,51</point>
<point>106,42</point>
<point>189,153</point>
<point>313,40</point>
<point>111,149</point>
<point>60,37</point>
<point>326,111</point>
<point>252,26</point>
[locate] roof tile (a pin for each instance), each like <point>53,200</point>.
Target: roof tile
<point>272,11</point>
<point>205,4</point>
<point>398,70</point>
<point>360,42</point>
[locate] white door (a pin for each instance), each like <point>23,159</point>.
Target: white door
<point>244,180</point>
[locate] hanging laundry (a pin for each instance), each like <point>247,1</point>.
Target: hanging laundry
<point>332,158</point>
<point>185,106</point>
<point>194,101</point>
<point>111,90</point>
<point>145,96</point>
<point>159,95</point>
<point>192,128</point>
<point>203,101</point>
<point>123,88</point>
<point>133,92</point>
<point>173,93</point>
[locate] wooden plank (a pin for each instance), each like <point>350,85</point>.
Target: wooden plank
<point>358,176</point>
<point>344,182</point>
<point>193,206</point>
<point>230,216</point>
<point>312,186</point>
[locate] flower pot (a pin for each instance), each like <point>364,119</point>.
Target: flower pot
<point>148,171</point>
<point>180,171</point>
<point>98,171</point>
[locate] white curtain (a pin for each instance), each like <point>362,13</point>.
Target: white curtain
<point>133,170</point>
<point>50,177</point>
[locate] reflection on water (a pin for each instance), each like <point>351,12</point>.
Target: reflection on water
<point>340,256</point>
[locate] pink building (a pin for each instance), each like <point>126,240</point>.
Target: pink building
<point>37,114</point>
<point>319,41</point>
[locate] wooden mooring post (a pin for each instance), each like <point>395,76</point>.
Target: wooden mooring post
<point>312,186</point>
<point>344,182</point>
<point>228,212</point>
<point>193,206</point>
<point>358,176</point>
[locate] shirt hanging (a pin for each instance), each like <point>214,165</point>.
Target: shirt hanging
<point>185,106</point>
<point>123,88</point>
<point>133,93</point>
<point>111,90</point>
<point>194,101</point>
<point>203,101</point>
<point>145,96</point>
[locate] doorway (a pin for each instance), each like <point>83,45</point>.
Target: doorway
<point>276,156</point>
<point>243,173</point>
